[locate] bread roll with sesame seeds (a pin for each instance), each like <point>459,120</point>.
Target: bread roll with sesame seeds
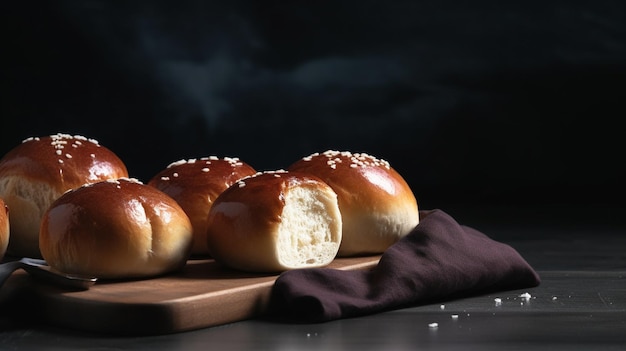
<point>377,205</point>
<point>195,184</point>
<point>116,229</point>
<point>4,228</point>
<point>39,170</point>
<point>275,221</point>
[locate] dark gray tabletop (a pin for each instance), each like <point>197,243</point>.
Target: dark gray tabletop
<point>580,304</point>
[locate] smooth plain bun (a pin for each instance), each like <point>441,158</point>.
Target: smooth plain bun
<point>377,205</point>
<point>275,221</point>
<point>116,229</point>
<point>195,184</point>
<point>39,170</point>
<point>4,228</point>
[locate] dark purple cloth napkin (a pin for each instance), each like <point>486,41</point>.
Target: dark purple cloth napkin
<point>439,260</point>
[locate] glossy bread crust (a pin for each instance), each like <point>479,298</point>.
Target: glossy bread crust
<point>116,229</point>
<point>195,184</point>
<point>244,230</point>
<point>377,205</point>
<point>39,170</point>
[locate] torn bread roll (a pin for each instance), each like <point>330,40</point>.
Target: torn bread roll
<point>41,169</point>
<point>5,229</point>
<point>195,184</point>
<point>275,221</point>
<point>377,205</point>
<point>116,229</point>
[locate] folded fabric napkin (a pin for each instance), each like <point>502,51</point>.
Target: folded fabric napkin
<point>439,260</point>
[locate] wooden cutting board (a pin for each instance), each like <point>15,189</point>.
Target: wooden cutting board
<point>203,294</point>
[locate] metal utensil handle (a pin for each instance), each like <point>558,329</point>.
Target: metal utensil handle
<point>40,270</point>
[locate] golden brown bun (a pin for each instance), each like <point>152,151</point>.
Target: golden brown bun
<point>39,170</point>
<point>115,229</point>
<point>275,221</point>
<point>195,184</point>
<point>4,228</point>
<point>377,205</point>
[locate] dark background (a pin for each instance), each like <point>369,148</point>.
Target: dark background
<point>473,102</point>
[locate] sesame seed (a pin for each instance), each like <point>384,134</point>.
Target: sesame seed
<point>357,159</point>
<point>205,169</point>
<point>176,163</point>
<point>30,139</point>
<point>131,180</point>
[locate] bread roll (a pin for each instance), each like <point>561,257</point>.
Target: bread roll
<point>115,229</point>
<point>4,228</point>
<point>377,205</point>
<point>39,170</point>
<point>275,221</point>
<point>195,184</point>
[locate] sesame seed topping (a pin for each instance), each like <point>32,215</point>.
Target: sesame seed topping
<point>175,175</point>
<point>355,159</point>
<point>205,169</point>
<point>59,152</point>
<point>30,139</point>
<point>165,178</point>
<point>131,180</point>
<point>276,173</point>
<point>176,163</point>
<point>68,156</point>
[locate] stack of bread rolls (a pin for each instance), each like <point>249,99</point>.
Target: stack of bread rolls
<point>73,203</point>
<point>325,205</point>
